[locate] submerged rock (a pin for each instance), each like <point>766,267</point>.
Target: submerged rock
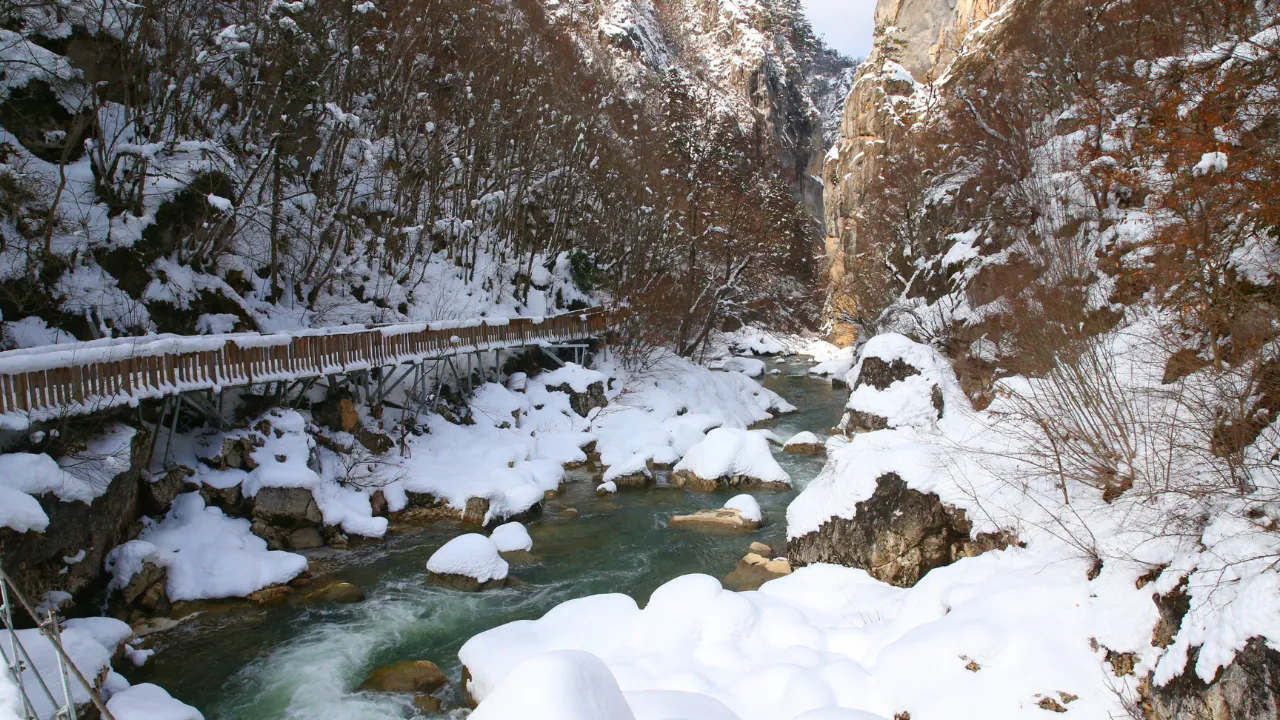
<point>897,535</point>
<point>754,570</point>
<point>338,592</point>
<point>409,676</point>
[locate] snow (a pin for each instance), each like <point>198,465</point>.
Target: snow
<point>149,702</point>
<point>608,487</point>
<point>472,555</point>
<point>208,555</point>
<point>827,637</point>
<point>1210,163</point>
<point>746,506</point>
<point>90,643</point>
<point>510,537</point>
<point>564,685</point>
<point>750,367</point>
<point>82,477</point>
<point>803,438</point>
<point>578,378</point>
<point>837,365</point>
<point>730,452</point>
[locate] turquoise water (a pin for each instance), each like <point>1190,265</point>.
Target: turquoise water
<point>302,662</point>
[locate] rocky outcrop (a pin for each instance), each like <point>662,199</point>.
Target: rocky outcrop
<point>897,535</point>
<point>68,556</point>
<point>1247,689</point>
<point>916,39</point>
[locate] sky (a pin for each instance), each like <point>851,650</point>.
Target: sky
<point>846,25</point>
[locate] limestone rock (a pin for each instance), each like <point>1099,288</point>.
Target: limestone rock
<point>305,538</point>
<point>897,535</point>
<point>409,676</point>
<point>337,592</point>
<point>721,519</point>
<point>158,493</point>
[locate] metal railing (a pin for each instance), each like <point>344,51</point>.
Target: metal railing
<point>33,687</point>
<point>86,377</point>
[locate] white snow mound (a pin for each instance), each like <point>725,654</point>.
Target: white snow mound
<point>563,685</point>
<point>511,537</point>
<point>728,452</point>
<point>746,506</point>
<point>472,555</point>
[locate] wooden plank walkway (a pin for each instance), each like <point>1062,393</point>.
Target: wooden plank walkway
<point>86,377</point>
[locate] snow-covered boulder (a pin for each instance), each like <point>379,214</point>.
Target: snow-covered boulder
<point>804,443</point>
<point>511,537</point>
<point>468,562</point>
<point>149,702</point>
<point>559,685</point>
<point>742,512</point>
<point>750,367</point>
<point>899,383</point>
<point>875,505</point>
<point>206,555</point>
<point>896,535</point>
<point>585,387</point>
<point>729,457</point>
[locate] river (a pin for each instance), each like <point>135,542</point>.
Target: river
<point>303,661</point>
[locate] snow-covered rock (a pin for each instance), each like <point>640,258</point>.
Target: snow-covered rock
<point>468,562</point>
<point>827,637</point>
<point>732,457</point>
<point>563,685</point>
<point>149,702</point>
<point>511,537</point>
<point>804,443</point>
<point>747,507</point>
<point>207,555</point>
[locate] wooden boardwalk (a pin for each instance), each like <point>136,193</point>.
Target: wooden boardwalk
<point>86,377</point>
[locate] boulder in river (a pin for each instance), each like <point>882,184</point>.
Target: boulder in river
<point>469,562</point>
<point>805,443</point>
<point>338,592</point>
<point>409,676</point>
<point>721,519</point>
<point>730,457</point>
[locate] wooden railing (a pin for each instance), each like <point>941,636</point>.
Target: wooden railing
<point>79,378</point>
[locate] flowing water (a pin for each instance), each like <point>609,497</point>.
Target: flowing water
<point>304,661</point>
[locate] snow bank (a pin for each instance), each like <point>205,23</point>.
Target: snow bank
<point>511,537</point>
<point>727,452</point>
<point>149,702</point>
<point>827,637</point>
<point>746,506</point>
<point>472,555</point>
<point>564,685</point>
<point>208,555</point>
